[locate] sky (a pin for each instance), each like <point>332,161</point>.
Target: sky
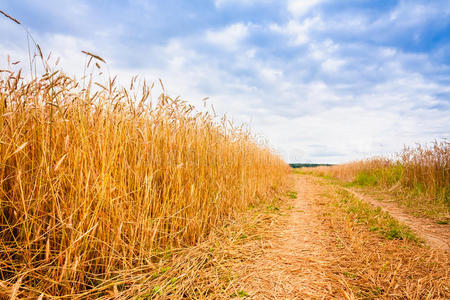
<point>320,81</point>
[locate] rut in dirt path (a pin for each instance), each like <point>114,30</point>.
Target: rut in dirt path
<point>294,261</point>
<point>319,251</point>
<point>436,236</point>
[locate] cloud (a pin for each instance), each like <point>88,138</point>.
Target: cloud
<point>228,38</point>
<point>299,8</point>
<point>297,32</point>
<point>410,14</point>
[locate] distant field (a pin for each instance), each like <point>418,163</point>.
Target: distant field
<point>419,177</point>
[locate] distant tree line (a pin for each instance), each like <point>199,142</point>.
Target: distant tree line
<point>308,165</point>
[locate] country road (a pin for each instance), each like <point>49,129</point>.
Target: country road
<point>321,251</point>
<point>435,235</point>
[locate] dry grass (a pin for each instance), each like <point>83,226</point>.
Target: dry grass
<point>97,183</point>
<point>327,244</point>
<point>419,176</point>
<point>427,169</point>
<point>209,269</point>
<point>369,264</point>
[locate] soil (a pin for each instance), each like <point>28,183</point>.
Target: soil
<point>294,260</point>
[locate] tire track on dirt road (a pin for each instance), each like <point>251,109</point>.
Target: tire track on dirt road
<point>437,236</point>
<point>318,250</point>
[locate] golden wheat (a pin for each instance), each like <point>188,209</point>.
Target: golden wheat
<point>95,182</point>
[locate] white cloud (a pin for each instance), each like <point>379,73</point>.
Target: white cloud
<point>298,32</point>
<point>271,75</point>
<point>332,65</point>
<point>228,38</point>
<point>323,50</point>
<point>300,7</point>
<point>63,46</point>
<point>387,52</point>
<point>413,14</point>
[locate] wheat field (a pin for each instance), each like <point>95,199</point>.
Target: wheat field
<point>124,192</point>
<point>97,179</point>
<point>420,174</point>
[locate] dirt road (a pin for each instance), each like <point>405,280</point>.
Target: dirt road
<point>319,251</point>
<point>436,235</point>
<point>294,261</point>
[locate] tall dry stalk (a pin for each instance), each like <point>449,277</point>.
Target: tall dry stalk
<point>96,181</point>
<point>428,169</point>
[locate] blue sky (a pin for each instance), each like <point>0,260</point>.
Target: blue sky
<point>322,81</point>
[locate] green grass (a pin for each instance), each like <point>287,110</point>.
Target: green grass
<point>302,171</point>
<point>273,208</point>
<point>443,222</point>
<point>375,219</point>
<point>388,176</point>
<point>387,181</point>
<point>413,197</point>
<point>366,179</point>
<point>292,195</point>
<point>240,294</point>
